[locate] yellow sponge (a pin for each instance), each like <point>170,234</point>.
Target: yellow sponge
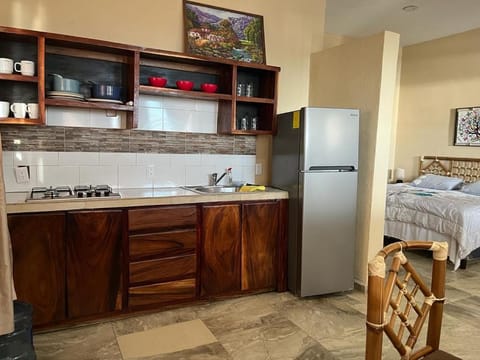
<point>248,188</point>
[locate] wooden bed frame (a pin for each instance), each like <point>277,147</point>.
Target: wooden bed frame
<point>467,169</point>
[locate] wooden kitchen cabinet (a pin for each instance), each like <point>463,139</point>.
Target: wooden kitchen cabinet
<point>260,236</point>
<point>162,255</point>
<point>221,249</point>
<point>240,247</point>
<point>38,246</point>
<point>93,262</point>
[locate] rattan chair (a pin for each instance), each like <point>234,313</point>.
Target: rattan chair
<point>401,303</point>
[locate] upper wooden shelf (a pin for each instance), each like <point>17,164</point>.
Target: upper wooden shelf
<point>88,104</point>
<point>152,90</point>
<point>17,77</point>
<point>255,100</point>
<point>25,121</point>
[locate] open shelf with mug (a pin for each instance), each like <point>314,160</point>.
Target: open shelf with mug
<point>21,70</point>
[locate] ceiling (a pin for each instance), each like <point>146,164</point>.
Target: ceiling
<point>432,19</point>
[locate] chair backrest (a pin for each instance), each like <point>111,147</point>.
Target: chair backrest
<point>393,304</point>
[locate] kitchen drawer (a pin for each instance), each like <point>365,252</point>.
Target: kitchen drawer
<point>162,269</point>
<point>161,293</point>
<point>163,244</point>
<point>161,218</point>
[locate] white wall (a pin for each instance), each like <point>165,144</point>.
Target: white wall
<point>438,76</point>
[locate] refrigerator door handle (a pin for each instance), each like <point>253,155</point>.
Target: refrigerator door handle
<point>341,168</point>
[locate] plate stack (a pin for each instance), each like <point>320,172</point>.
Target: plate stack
<point>65,95</point>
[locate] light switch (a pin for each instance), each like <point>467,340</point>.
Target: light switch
<point>22,174</point>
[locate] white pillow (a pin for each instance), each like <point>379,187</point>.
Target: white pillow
<point>472,189</point>
<point>437,182</point>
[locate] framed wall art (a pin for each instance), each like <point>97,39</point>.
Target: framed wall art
<point>467,126</point>
<point>217,32</point>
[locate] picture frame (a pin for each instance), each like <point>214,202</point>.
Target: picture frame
<point>218,32</point>
<point>467,126</point>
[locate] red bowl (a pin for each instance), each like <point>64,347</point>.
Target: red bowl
<point>209,88</point>
<point>157,81</point>
<point>185,85</point>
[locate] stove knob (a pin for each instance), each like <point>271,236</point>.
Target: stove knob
<point>80,194</point>
<point>89,194</point>
<point>106,193</point>
<point>98,193</point>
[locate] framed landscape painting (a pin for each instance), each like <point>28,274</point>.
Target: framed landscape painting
<point>217,32</point>
<point>467,126</point>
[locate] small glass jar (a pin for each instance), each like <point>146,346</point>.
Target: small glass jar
<point>243,123</point>
<point>253,123</point>
<point>249,90</point>
<point>240,89</point>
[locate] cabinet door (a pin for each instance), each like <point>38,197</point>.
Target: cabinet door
<point>259,243</point>
<point>221,246</point>
<point>39,263</point>
<point>94,258</point>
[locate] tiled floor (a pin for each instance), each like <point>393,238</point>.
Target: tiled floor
<point>276,326</point>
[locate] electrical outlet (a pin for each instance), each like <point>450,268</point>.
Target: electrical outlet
<point>150,172</point>
<point>258,169</point>
<point>22,174</point>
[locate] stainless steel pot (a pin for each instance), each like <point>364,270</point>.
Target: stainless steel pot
<point>60,83</point>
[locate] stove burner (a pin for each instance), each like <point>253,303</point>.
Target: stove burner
<point>79,191</point>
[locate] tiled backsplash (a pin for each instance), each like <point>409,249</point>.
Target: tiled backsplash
<point>70,155</point>
<point>122,170</point>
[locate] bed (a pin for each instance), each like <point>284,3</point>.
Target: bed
<point>444,215</point>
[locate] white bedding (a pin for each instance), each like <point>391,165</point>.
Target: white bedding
<point>413,212</point>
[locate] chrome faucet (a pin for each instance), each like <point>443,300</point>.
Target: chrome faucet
<point>228,172</point>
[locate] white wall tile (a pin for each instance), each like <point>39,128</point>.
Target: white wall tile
<point>150,118</point>
<point>107,119</point>
<point>78,158</point>
<point>7,158</point>
<point>178,103</point>
<point>152,101</point>
<point>171,176</point>
<point>57,175</point>
<point>98,175</point>
<point>193,160</point>
<point>130,176</point>
<point>206,105</point>
<point>196,175</point>
<point>158,160</point>
<point>60,116</point>
<point>117,158</point>
<point>35,158</point>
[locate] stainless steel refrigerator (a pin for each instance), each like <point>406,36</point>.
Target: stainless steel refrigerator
<point>315,158</point>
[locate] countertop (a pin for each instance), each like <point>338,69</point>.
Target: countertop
<point>16,201</point>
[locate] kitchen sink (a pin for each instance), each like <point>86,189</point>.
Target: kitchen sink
<point>213,189</point>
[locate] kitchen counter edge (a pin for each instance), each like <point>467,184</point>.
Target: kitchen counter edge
<point>135,197</point>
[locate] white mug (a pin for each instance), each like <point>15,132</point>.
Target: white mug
<point>4,109</point>
<point>19,109</point>
<point>6,66</point>
<point>32,110</point>
<point>26,67</point>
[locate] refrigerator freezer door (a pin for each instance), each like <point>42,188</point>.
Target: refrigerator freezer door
<point>328,203</point>
<point>330,137</point>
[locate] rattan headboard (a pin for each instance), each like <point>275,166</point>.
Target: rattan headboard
<point>467,169</point>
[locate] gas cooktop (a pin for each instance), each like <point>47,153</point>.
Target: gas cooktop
<point>78,192</point>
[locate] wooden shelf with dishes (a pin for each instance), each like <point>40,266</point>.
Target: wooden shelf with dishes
<point>152,90</point>
<point>25,121</point>
<point>88,104</point>
<point>130,67</point>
